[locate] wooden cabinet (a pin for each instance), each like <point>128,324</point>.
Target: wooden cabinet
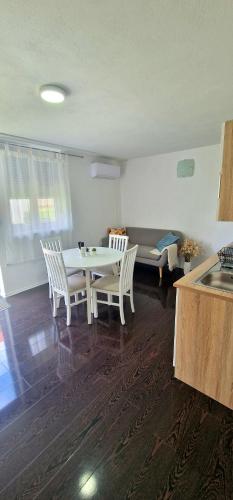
<point>225,211</point>
<point>204,344</point>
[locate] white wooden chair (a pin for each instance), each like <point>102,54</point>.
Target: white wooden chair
<point>63,285</point>
<point>116,242</point>
<point>117,285</point>
<point>55,244</point>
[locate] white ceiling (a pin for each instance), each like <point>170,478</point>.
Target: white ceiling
<point>145,76</point>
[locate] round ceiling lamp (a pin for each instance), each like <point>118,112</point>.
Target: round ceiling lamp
<point>52,93</point>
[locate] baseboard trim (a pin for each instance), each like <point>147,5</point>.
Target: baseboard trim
<point>24,289</point>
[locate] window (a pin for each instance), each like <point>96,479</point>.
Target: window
<point>39,342</point>
<point>20,211</point>
<point>37,198</point>
<point>46,209</point>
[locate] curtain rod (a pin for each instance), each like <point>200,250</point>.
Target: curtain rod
<point>40,149</point>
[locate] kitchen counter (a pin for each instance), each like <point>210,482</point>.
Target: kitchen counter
<point>188,281</point>
<point>203,345</point>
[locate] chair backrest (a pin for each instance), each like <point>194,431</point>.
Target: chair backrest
<point>52,244</point>
<point>56,269</point>
<point>127,268</point>
<point>118,242</point>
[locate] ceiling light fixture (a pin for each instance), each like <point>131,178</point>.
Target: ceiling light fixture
<point>52,93</point>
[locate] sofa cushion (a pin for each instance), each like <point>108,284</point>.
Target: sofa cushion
<point>144,251</point>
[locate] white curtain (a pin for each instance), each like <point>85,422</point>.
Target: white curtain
<point>37,200</point>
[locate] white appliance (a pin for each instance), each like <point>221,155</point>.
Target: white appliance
<point>105,171</point>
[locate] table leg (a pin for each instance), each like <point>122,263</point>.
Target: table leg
<point>115,269</point>
<point>88,286</point>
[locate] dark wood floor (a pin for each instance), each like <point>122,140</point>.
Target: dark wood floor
<point>95,412</point>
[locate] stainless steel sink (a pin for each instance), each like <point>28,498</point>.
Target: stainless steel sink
<point>220,280</point>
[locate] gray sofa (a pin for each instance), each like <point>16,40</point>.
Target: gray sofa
<point>146,239</point>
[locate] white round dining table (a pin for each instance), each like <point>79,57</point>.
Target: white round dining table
<point>103,256</point>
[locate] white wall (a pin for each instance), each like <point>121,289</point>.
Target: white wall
<point>153,196</point>
<point>95,203</point>
<point>95,206</point>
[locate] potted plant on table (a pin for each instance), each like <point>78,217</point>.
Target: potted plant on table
<point>189,249</point>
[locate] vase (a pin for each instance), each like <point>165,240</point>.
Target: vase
<point>187,267</point>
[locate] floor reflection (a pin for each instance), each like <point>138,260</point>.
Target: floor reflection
<point>23,359</point>
<point>87,485</point>
<point>165,294</point>
<point>12,384</point>
<point>76,349</point>
<point>21,353</point>
<point>31,345</point>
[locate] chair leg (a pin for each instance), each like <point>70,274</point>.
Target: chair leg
<point>109,299</point>
<point>131,301</point>
<point>95,304</point>
<point>83,291</point>
<point>68,313</point>
<point>122,310</point>
<point>54,304</point>
<point>50,290</point>
<point>88,292</point>
<point>92,302</point>
<point>58,302</point>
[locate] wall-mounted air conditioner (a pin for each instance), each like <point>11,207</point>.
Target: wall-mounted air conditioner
<point>105,171</point>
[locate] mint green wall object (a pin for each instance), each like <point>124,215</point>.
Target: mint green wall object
<point>185,168</point>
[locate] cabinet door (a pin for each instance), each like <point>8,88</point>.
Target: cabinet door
<point>204,344</point>
<point>225,212</point>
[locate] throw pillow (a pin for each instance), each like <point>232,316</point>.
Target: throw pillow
<point>117,230</point>
<point>167,240</point>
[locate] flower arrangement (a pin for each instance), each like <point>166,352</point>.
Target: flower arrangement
<point>190,249</point>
